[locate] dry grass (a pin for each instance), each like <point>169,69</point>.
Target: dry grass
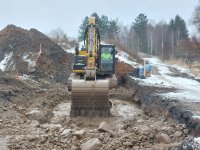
<point>194,67</point>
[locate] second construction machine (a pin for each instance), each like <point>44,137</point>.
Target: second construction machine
<point>93,75</point>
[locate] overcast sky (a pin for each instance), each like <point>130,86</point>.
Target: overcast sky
<point>45,15</point>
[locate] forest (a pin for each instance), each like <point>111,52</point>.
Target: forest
<point>167,40</point>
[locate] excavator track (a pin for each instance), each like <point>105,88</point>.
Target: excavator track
<point>90,98</point>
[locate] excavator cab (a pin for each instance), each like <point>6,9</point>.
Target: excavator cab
<point>106,60</point>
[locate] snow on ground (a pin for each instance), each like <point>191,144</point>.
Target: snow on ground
<point>24,77</point>
<point>4,62</point>
<point>196,117</point>
<point>185,70</point>
<point>186,96</point>
<point>181,69</point>
<point>124,57</point>
<point>188,90</point>
<point>72,50</point>
<point>28,59</point>
<point>197,140</point>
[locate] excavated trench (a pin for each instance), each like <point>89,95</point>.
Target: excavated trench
<point>121,110</point>
<point>45,123</point>
<point>152,104</point>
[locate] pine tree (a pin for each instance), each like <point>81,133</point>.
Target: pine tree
<point>113,29</point>
<point>180,27</point>
<point>106,28</point>
<point>82,28</point>
<point>140,27</point>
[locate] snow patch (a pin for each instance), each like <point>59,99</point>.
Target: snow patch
<point>4,62</point>
<point>162,68</point>
<point>124,57</point>
<point>186,96</point>
<point>24,77</point>
<point>187,89</point>
<point>153,80</point>
<point>81,44</point>
<point>71,50</point>
<point>28,59</point>
<point>34,111</point>
<point>197,140</point>
<point>196,117</point>
<point>181,69</point>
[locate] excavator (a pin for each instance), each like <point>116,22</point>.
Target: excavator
<point>92,75</point>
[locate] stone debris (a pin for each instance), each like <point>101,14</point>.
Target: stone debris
<point>178,133</point>
<point>66,132</point>
<point>163,138</point>
<point>105,127</point>
<point>80,133</point>
<point>91,144</point>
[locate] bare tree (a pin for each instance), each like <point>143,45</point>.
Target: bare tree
<point>196,17</point>
<point>58,35</point>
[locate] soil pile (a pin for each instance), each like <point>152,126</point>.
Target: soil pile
<point>122,70</point>
<point>19,51</point>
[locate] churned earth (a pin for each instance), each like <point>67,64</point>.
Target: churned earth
<point>35,115</point>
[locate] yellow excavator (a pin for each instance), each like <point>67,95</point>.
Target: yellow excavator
<point>93,75</point>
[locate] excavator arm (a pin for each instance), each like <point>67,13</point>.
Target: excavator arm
<point>91,41</point>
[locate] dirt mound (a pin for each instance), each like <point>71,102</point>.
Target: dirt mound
<point>19,50</point>
<point>122,70</point>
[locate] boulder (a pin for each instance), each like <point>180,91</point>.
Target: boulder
<point>105,127</point>
<point>80,133</point>
<point>144,129</point>
<point>74,139</point>
<point>128,144</point>
<point>35,123</point>
<point>178,133</point>
<point>66,132</point>
<point>91,144</point>
<point>36,114</point>
<point>74,148</point>
<point>140,121</point>
<point>163,138</point>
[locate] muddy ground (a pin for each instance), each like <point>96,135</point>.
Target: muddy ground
<point>35,115</point>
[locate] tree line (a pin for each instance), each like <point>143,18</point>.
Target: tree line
<point>108,28</point>
<point>163,39</point>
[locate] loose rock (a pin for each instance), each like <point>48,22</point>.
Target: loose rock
<point>163,138</point>
<point>80,133</point>
<point>92,144</point>
<point>105,127</point>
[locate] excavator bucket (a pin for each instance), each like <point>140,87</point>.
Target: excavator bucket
<point>90,98</point>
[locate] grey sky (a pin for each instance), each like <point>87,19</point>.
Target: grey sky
<point>45,15</point>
